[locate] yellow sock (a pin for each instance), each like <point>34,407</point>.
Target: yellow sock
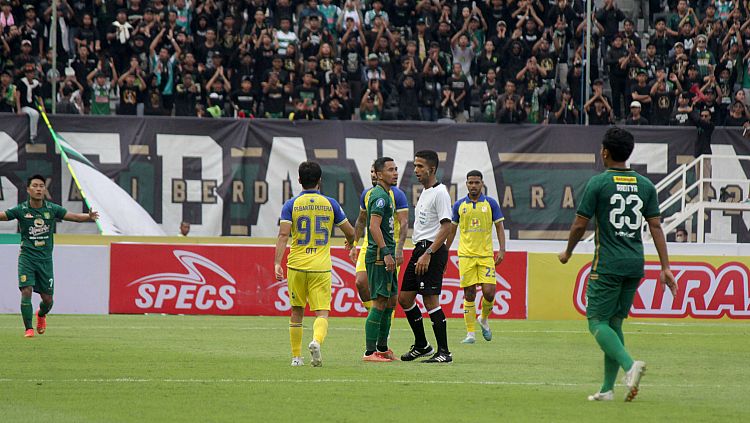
<point>367,304</point>
<point>486,308</point>
<point>320,329</point>
<point>470,315</point>
<point>295,338</point>
<point>393,315</point>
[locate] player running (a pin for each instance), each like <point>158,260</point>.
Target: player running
<point>402,220</point>
<point>618,199</point>
<point>475,215</point>
<point>309,217</point>
<point>382,276</point>
<point>37,219</point>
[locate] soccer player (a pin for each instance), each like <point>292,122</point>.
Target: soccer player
<point>37,219</point>
<point>475,215</point>
<point>619,199</point>
<point>402,220</point>
<point>380,260</point>
<point>309,217</point>
<point>424,273</point>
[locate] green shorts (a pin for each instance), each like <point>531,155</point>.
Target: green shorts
<point>609,296</point>
<point>382,283</point>
<point>36,273</point>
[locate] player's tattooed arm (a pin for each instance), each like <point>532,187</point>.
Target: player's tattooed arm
<point>500,229</point>
<point>657,234</point>
<point>576,233</point>
<point>403,222</point>
<point>91,216</point>
<point>285,229</point>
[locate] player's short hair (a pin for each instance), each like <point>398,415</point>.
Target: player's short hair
<point>380,163</point>
<point>309,174</point>
<point>429,156</point>
<point>619,143</point>
<point>35,176</point>
<point>474,173</point>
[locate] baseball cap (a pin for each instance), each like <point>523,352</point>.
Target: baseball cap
<point>501,23</point>
<point>26,42</point>
<point>635,103</point>
<point>679,43</point>
<point>420,21</point>
<point>372,56</point>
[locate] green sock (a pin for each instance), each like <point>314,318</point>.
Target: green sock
<point>27,312</point>
<point>610,343</point>
<point>611,367</point>
<point>44,308</point>
<point>372,328</point>
<point>385,330</point>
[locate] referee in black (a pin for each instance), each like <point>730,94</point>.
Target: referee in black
<point>424,273</point>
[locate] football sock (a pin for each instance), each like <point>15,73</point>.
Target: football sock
<point>320,329</point>
<point>440,328</point>
<point>385,329</point>
<point>486,308</point>
<point>611,367</point>
<point>610,343</point>
<point>367,304</point>
<point>27,312</point>
<point>295,338</point>
<point>414,316</point>
<point>470,316</point>
<point>44,308</point>
<point>372,328</point>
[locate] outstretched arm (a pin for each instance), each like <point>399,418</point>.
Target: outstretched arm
<point>91,216</point>
<point>3,216</point>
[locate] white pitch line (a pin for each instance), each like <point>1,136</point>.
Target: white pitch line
<point>345,381</point>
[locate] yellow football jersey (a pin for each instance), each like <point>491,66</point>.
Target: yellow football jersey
<point>476,222</point>
<point>312,216</point>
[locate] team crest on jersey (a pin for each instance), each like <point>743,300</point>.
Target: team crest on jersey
<point>23,278</point>
<point>484,209</point>
<point>46,215</point>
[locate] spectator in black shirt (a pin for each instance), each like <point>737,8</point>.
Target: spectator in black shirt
<point>610,17</point>
<point>617,60</point>
<point>680,116</point>
<point>408,97</point>
<point>635,117</point>
<point>510,113</point>
<point>566,111</point>
<point>662,98</point>
<point>737,115</point>
<point>243,101</point>
<point>188,95</point>
<point>130,92</point>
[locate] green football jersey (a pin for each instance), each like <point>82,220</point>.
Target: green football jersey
<point>37,228</point>
<point>380,203</point>
<point>619,200</point>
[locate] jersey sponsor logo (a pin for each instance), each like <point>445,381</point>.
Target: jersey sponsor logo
<point>28,216</point>
<point>39,228</point>
<point>187,291</point>
<point>380,203</point>
<point>704,291</point>
<point>625,179</point>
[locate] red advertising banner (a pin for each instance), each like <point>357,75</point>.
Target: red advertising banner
<point>704,291</point>
<point>239,280</point>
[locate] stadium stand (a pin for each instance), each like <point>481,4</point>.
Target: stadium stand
<point>505,61</point>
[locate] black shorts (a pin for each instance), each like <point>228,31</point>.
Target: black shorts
<point>430,283</point>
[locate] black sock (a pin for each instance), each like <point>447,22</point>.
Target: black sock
<point>368,352</point>
<point>414,316</point>
<point>440,328</point>
<point>382,348</point>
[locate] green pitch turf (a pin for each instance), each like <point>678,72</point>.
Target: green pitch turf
<point>214,369</point>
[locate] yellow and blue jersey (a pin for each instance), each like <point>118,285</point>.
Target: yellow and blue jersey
<point>399,200</point>
<point>312,216</point>
<point>476,221</point>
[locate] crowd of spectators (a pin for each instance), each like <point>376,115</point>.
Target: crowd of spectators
<point>505,61</point>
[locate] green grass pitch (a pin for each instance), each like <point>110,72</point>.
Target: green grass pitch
<point>215,369</point>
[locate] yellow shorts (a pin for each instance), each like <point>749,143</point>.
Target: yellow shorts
<point>310,288</point>
<point>476,270</point>
<point>361,259</point>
